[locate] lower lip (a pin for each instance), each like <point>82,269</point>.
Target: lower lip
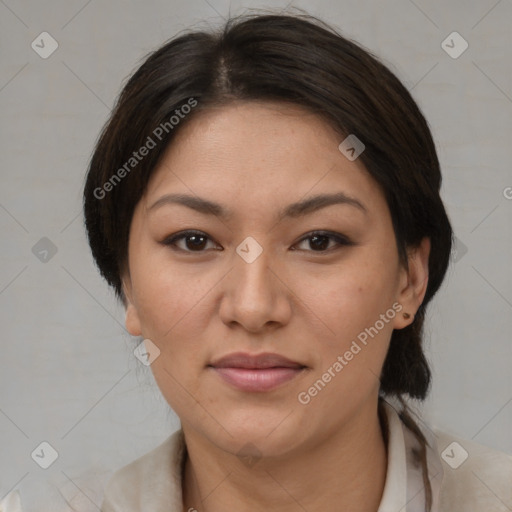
<point>264,379</point>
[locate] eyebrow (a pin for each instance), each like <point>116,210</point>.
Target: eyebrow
<point>294,210</point>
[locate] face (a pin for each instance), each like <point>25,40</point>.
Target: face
<point>318,283</point>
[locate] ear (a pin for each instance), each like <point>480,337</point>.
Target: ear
<point>132,320</point>
<point>413,283</point>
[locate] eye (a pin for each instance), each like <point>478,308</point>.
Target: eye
<point>195,241</point>
<point>319,240</point>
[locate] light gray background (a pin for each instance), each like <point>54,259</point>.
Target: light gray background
<point>67,372</point>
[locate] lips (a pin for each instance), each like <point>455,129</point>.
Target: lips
<point>260,372</point>
<point>258,361</point>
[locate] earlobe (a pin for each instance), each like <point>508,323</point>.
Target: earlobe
<point>132,321</point>
<point>413,283</point>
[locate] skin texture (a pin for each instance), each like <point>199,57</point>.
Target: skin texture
<point>304,303</point>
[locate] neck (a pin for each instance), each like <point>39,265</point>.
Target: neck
<point>347,471</point>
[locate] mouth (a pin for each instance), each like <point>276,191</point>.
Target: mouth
<point>256,373</point>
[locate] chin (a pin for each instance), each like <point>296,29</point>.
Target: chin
<point>259,433</point>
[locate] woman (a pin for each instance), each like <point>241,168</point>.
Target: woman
<point>265,202</point>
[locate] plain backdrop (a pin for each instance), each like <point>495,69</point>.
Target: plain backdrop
<point>68,375</point>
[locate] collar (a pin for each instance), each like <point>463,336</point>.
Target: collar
<point>404,490</point>
<point>153,482</point>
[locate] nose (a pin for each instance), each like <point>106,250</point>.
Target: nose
<point>255,296</point>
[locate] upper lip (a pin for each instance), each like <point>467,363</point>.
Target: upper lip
<point>255,361</point>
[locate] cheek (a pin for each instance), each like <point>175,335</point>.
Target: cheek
<point>175,312</point>
<point>350,360</point>
<point>356,305</point>
<point>170,305</point>
<point>165,299</point>
<point>355,296</point>
<point>178,387</point>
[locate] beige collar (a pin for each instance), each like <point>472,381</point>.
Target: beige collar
<point>153,482</point>
<point>404,488</point>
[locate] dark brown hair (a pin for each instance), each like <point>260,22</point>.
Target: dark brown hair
<point>295,59</point>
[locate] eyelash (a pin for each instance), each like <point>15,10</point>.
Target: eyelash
<point>341,240</point>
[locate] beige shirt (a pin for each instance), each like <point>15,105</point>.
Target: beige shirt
<point>465,476</point>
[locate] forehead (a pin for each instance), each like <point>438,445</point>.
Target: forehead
<point>267,129</point>
<point>265,151</point>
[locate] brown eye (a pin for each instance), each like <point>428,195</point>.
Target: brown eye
<point>194,241</point>
<point>319,241</point>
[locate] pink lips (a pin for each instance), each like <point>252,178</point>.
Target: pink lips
<point>262,372</point>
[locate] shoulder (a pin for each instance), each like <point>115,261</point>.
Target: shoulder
<point>475,477</point>
<point>11,502</point>
<point>150,482</point>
